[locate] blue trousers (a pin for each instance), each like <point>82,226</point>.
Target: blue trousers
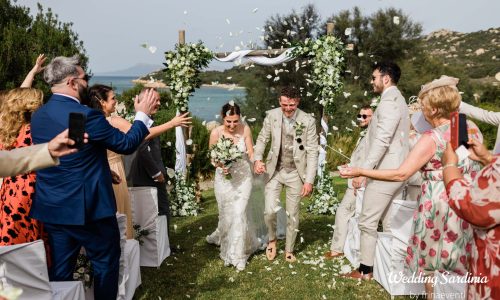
<point>101,240</point>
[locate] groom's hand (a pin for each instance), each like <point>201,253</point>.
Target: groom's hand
<point>259,167</point>
<point>306,189</point>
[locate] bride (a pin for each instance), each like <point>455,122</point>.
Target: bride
<point>235,234</point>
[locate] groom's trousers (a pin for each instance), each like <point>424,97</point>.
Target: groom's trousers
<point>293,187</point>
<point>345,211</point>
<point>377,202</point>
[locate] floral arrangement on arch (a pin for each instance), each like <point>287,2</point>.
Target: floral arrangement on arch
<point>324,199</point>
<point>183,197</point>
<point>327,58</point>
<point>183,66</point>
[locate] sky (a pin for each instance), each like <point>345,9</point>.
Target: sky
<point>114,30</point>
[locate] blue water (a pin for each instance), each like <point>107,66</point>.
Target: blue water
<point>205,103</point>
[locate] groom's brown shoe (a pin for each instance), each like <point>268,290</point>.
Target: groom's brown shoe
<point>332,255</point>
<point>357,275</point>
<point>271,249</point>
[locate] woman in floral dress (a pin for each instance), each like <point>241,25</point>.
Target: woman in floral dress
<point>17,192</point>
<point>478,202</point>
<point>441,241</point>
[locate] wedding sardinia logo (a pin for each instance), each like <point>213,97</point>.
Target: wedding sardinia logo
<point>443,278</point>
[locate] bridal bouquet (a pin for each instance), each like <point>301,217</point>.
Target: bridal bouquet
<point>225,152</point>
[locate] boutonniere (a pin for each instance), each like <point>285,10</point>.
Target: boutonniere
<point>363,133</point>
<point>299,128</point>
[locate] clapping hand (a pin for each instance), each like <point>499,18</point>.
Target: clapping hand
<point>146,103</point>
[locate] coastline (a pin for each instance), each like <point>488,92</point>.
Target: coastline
<point>224,86</point>
<point>161,85</point>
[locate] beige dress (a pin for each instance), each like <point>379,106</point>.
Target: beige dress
<point>121,190</point>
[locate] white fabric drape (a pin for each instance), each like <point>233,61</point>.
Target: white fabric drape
<point>260,60</point>
<point>180,149</point>
<point>322,148</point>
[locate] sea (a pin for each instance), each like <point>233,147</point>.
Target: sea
<point>205,103</point>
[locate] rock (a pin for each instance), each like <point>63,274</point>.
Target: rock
<point>480,51</point>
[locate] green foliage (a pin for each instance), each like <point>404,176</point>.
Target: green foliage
<point>343,143</point>
<point>23,37</point>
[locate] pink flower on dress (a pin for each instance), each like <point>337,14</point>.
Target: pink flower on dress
<point>463,259</point>
<point>413,240</point>
<point>428,205</point>
<point>421,262</point>
<point>465,225</point>
<point>436,235</point>
<point>420,208</point>
<point>423,245</point>
<point>429,223</point>
<point>468,247</point>
<point>444,254</point>
<point>445,227</point>
<point>410,252</point>
<point>432,252</point>
<point>451,236</point>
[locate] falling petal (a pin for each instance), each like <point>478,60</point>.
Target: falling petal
<point>395,20</point>
<point>335,128</point>
<point>361,54</point>
<point>185,12</point>
<point>189,142</point>
<point>169,144</point>
<point>175,227</point>
<point>229,78</point>
<point>228,22</point>
<point>355,106</point>
<point>170,173</point>
<point>200,228</point>
<point>251,120</point>
<point>152,49</point>
<point>255,10</point>
<point>231,102</point>
<point>204,123</point>
<point>348,31</point>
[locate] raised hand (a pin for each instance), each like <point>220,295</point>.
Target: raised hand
<point>146,102</point>
<point>181,120</point>
<point>478,152</point>
<point>59,146</point>
<point>38,67</point>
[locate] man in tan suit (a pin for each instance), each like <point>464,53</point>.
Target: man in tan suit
<point>26,159</point>
<point>292,163</point>
<point>387,147</point>
<point>347,207</point>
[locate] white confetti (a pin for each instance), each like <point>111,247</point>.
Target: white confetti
<point>395,20</point>
<point>189,142</point>
<point>355,106</point>
<point>231,279</point>
<point>361,54</point>
<point>231,102</point>
<point>170,173</point>
<point>169,144</point>
<point>200,228</point>
<point>204,123</point>
<point>185,12</point>
<point>251,120</point>
<point>335,128</point>
<point>152,49</point>
<point>346,94</point>
<point>229,78</point>
<point>269,76</point>
<point>175,227</point>
<point>348,31</point>
<point>255,10</point>
<point>228,22</point>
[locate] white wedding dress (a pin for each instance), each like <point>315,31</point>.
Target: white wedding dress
<point>235,233</point>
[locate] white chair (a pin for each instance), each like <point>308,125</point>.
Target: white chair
<point>24,266</point>
<point>450,286</point>
<point>67,290</point>
<point>352,242</point>
<point>390,251</point>
<point>132,268</point>
<point>156,245</point>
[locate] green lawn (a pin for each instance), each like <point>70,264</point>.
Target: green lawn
<point>197,271</point>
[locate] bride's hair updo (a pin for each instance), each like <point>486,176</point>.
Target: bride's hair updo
<point>230,110</point>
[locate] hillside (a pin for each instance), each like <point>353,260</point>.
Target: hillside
<point>478,52</point>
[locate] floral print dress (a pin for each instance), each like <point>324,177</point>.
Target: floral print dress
<point>16,194</point>
<point>441,241</point>
<point>478,202</point>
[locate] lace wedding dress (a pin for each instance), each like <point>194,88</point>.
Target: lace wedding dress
<point>235,234</point>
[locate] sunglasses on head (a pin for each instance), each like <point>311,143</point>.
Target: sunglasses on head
<point>363,116</point>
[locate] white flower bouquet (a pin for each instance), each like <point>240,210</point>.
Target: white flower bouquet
<point>224,153</point>
<point>184,202</point>
<point>324,200</point>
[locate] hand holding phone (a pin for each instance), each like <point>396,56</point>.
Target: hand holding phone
<point>459,133</point>
<point>77,129</point>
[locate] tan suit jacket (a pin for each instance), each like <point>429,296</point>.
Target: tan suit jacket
<point>387,138</point>
<point>26,159</point>
<point>305,157</point>
<point>357,156</point>
<point>483,115</point>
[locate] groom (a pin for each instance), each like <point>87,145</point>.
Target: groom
<point>292,163</point>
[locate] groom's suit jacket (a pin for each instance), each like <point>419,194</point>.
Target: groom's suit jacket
<point>79,190</point>
<point>387,143</point>
<point>305,153</point>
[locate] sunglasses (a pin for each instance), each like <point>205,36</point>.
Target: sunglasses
<point>85,77</point>
<point>363,116</point>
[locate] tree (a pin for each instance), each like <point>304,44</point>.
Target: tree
<point>23,37</point>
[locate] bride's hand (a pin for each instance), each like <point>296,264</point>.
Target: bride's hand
<point>225,170</point>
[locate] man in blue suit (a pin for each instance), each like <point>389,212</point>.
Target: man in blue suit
<point>75,199</point>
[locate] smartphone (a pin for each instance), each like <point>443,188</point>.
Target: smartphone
<point>76,129</point>
<point>459,133</point>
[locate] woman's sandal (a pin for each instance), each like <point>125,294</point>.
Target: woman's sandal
<point>271,250</point>
<point>289,257</point>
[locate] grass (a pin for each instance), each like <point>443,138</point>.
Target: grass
<point>197,272</point>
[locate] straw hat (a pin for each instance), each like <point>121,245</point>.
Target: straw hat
<point>442,81</point>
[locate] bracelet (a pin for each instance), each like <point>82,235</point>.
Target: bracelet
<point>450,165</point>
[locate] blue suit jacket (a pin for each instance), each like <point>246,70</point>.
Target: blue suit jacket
<point>79,189</point>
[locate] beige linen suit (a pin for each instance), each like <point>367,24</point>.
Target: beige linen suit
<point>305,158</point>
<point>347,207</point>
<point>386,148</point>
<point>483,115</point>
<point>26,159</point>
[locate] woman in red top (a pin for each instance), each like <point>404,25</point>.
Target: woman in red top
<point>17,192</point>
<point>478,202</point>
